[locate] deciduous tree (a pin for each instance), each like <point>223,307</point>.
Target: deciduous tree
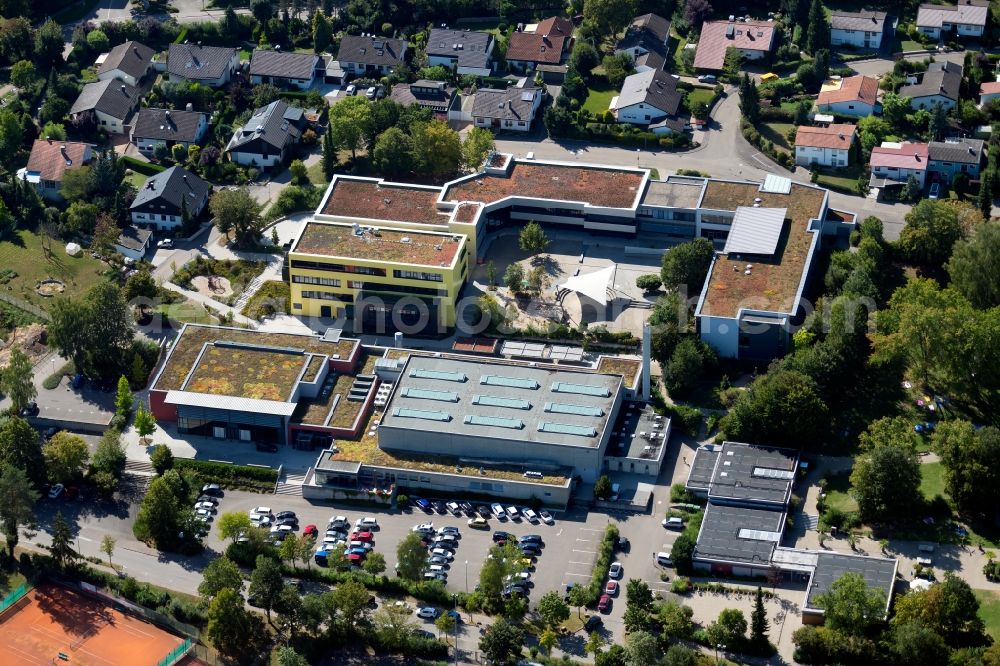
<point>231,628</point>
<point>477,145</point>
<point>411,556</point>
<point>349,120</point>
<point>17,503</point>
<point>145,422</point>
<point>685,266</point>
<point>532,238</point>
<point>437,149</point>
<point>66,457</point>
<point>552,609</point>
<point>974,258</point>
<point>932,229</point>
<point>266,583</point>
<point>609,16</point>
<point>850,606</point>
<point>220,574</point>
<point>237,212</point>
<point>16,380</point>
<point>501,643</point>
<point>885,481</point>
<point>20,447</point>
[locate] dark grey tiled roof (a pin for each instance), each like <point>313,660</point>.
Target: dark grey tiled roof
<point>469,48</point>
<point>440,100</point>
<point>510,104</point>
<point>284,65</point>
<point>132,58</point>
<point>273,124</point>
<point>647,31</point>
<point>112,97</point>
<point>653,87</point>
<point>168,125</point>
<point>720,537</point>
<point>170,187</point>
<point>382,51</point>
<point>195,62</point>
<point>941,78</point>
<point>867,21</point>
<point>134,238</point>
<point>963,151</point>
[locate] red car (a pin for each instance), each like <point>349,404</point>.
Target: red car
<point>611,589</point>
<point>604,605</point>
<point>310,531</point>
<point>363,536</point>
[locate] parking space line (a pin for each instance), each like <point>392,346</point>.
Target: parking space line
<point>586,540</point>
<point>570,573</point>
<point>584,563</point>
<point>592,552</point>
<point>589,529</point>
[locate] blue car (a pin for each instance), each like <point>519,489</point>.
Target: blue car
<point>356,551</point>
<point>321,558</point>
<point>455,616</point>
<point>423,504</point>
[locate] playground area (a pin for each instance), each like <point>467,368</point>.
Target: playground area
<point>54,625</point>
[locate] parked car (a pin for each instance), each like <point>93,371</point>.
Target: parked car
<point>450,546</point>
<point>467,508</point>
<point>483,511</point>
<point>260,511</point>
<point>427,612</point>
<point>935,191</point>
<point>207,498</point>
<point>546,517</point>
<point>500,537</point>
<point>498,511</point>
<point>673,523</point>
<point>531,538</point>
<point>212,489</point>
<point>615,570</point>
<point>623,545</point>
<point>447,555</point>
<point>707,78</point>
<point>165,243</point>
<point>532,549</point>
<point>286,529</point>
<point>440,507</point>
<point>367,523</point>
<point>31,409</point>
<point>207,506</point>
<point>423,527</point>
<point>281,515</point>
<point>310,531</point>
<point>611,589</point>
<point>604,604</point>
<point>362,536</point>
<point>663,559</point>
<point>261,520</point>
<point>593,623</point>
<point>513,513</point>
<point>290,522</point>
<point>338,522</point>
<point>351,90</point>
<point>450,529</point>
<point>423,505</point>
<point>479,523</point>
<point>530,515</point>
<point>56,490</point>
<point>439,560</point>
<point>454,508</point>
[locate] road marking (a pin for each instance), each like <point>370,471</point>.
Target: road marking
<point>589,529</point>
<point>570,573</point>
<point>584,563</point>
<point>592,552</point>
<point>760,161</point>
<point>83,538</point>
<point>586,540</point>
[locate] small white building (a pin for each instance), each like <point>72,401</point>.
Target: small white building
<point>512,109</point>
<point>161,201</point>
<point>133,242</point>
<point>649,97</point>
<point>861,30</point>
<point>854,96</point>
<point>363,54</point>
<point>645,40</point>
<point>940,84</point>
<point>824,146</point>
<point>966,19</point>
<point>211,66</point>
<point>129,62</point>
<point>285,70</point>
<point>169,127</point>
<point>988,91</point>
<point>267,137</point>
<point>893,163</point>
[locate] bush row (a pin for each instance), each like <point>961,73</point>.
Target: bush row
<point>145,168</point>
<point>605,553</point>
<point>754,137</point>
<point>229,476</point>
<point>432,592</point>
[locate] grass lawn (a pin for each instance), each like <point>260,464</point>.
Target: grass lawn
<point>273,296</point>
<point>932,480</point>
<point>989,611</point>
<point>680,43</point>
<point>599,94</point>
<point>700,95</point>
<point>187,312</point>
<point>844,179</point>
<point>775,133</point>
<point>316,175</point>
<point>838,494</point>
<point>24,255</point>
<point>137,179</point>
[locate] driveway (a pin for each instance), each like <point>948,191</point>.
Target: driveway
<point>723,153</point>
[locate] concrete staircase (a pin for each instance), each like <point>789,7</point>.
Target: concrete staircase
<point>811,521</point>
<point>290,484</point>
<point>249,291</point>
<point>139,468</point>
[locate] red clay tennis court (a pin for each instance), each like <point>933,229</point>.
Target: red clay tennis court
<point>54,625</point>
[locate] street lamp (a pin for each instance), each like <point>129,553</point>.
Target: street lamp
<point>454,599</point>
<point>467,576</point>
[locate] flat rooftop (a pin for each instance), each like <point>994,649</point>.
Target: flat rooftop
<point>739,534</point>
<point>753,473</point>
<point>331,407</point>
<point>502,401</point>
<point>638,432</point>
<point>703,467</point>
<point>879,573</point>
<point>368,199</point>
<point>774,281</point>
<point>674,192</point>
<point>261,374</point>
<point>389,245</point>
<point>187,348</point>
<point>608,187</point>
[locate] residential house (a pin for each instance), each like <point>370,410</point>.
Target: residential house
<point>966,19</point>
<point>939,84</point>
<point>164,196</point>
<point>955,156</point>
<point>285,70</point>
<point>434,95</point>
<point>828,146</point>
<point>646,41</point>
<point>527,50</point>
<point>266,138</point>
<point>211,66</point>
<point>753,39</point>
<point>129,62</point>
<point>169,127</point>
<point>362,55</point>
<point>133,242</point>
<point>988,91</point>
<point>510,109</point>
<point>556,27</point>
<point>110,102</point>
<point>861,30</point>
<point>649,97</point>
<point>464,51</point>
<point>855,96</point>
<point>893,163</point>
<point>48,162</point>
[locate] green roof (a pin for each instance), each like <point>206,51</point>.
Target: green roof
<point>475,419</point>
<point>497,401</point>
<point>579,410</point>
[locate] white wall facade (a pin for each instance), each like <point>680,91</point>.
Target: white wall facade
<point>640,114</point>
<point>121,76</point>
<point>855,108</point>
<point>722,334</point>
<point>862,39</point>
<point>901,175</point>
<point>137,255</point>
<point>829,157</point>
<point>110,123</point>
<point>300,84</point>
<point>157,220</point>
<point>254,159</point>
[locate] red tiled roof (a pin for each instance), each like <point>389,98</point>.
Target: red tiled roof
<point>370,200</point>
<point>989,87</point>
<point>535,48</point>
<point>834,136</point>
<point>555,26</point>
<point>907,156</point>
<point>51,160</point>
<point>863,88</point>
<point>712,45</point>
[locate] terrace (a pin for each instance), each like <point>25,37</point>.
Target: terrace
<point>606,187</point>
<point>189,344</point>
<point>365,450</point>
<point>408,247</point>
<point>247,373</point>
<point>371,200</point>
<point>317,412</point>
<point>774,281</point>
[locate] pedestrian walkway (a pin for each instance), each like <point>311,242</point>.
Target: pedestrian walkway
<point>212,304</point>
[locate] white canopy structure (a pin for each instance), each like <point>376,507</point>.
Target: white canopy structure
<point>592,285</point>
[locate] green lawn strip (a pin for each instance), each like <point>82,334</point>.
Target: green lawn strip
<point>187,312</point>
<point>932,480</point>
<point>52,381</point>
<point>844,179</point>
<point>24,254</point>
<point>775,133</point>
<point>316,175</point>
<point>989,611</point>
<point>838,493</point>
<point>700,95</point>
<point>136,179</point>
<point>599,94</point>
<point>273,296</point>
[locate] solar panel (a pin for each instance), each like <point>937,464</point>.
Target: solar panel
<point>498,421</point>
<point>497,401</point>
<point>430,394</point>
<point>578,410</point>
<point>509,382</point>
<point>581,389</point>
<point>564,353</point>
<point>776,184</point>
<point>566,429</point>
<point>442,375</point>
<point>755,230</point>
<point>407,413</point>
<point>525,349</point>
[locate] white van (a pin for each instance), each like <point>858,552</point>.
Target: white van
<point>663,559</point>
<point>513,512</point>
<point>498,511</point>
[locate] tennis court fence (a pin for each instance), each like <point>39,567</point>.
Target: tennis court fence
<point>176,654</point>
<point>15,595</point>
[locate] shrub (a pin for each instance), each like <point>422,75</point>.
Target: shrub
<point>649,282</point>
<point>681,585</point>
<point>229,476</point>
